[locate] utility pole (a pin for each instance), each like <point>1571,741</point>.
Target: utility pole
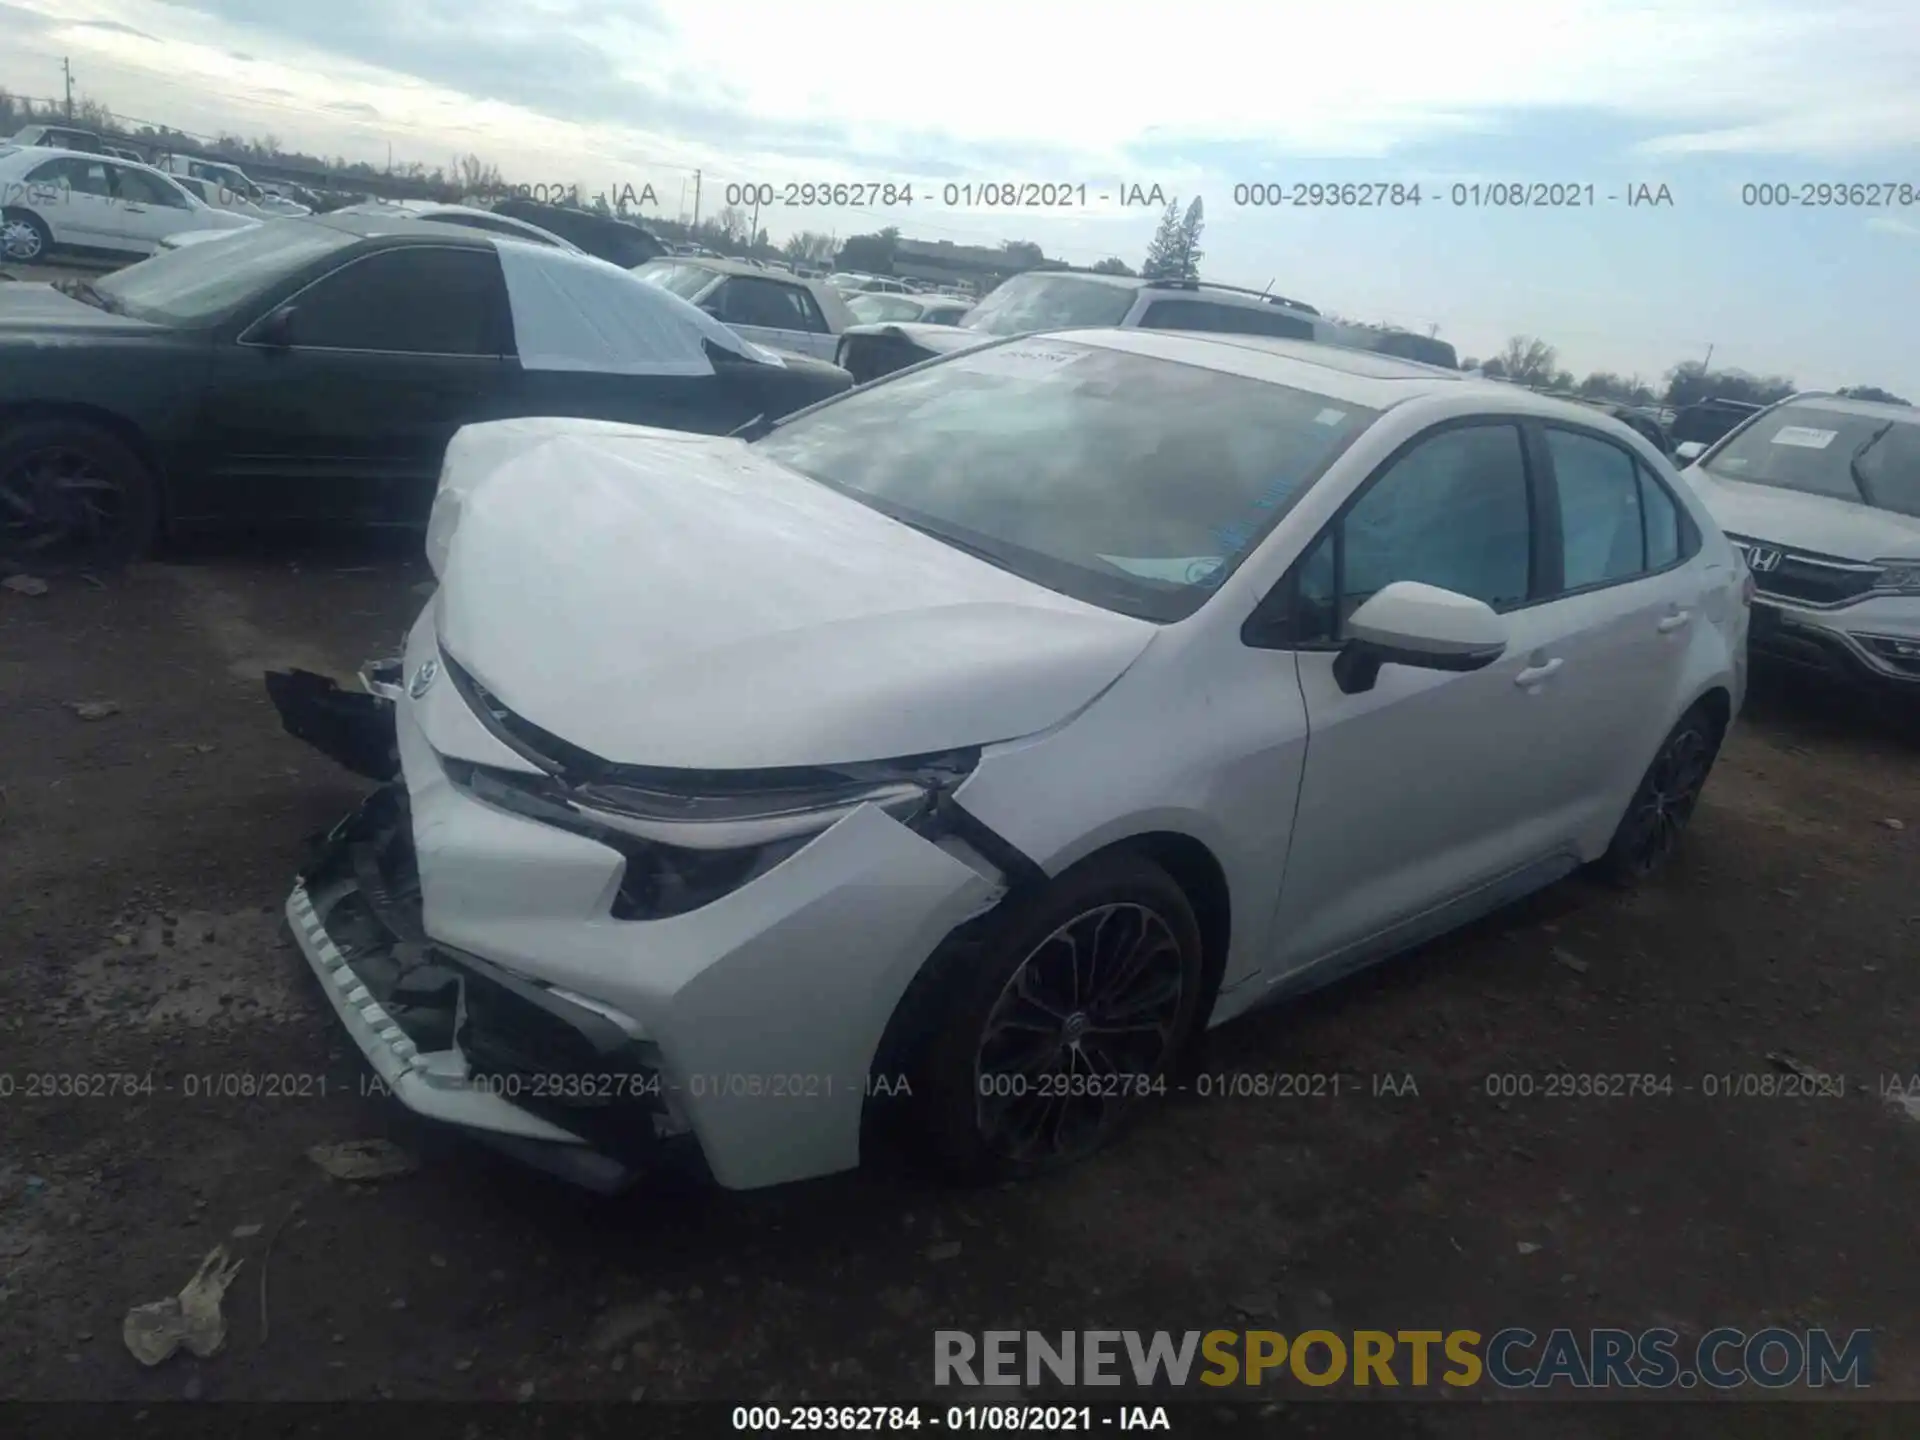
<point>753,236</point>
<point>696,199</point>
<point>1707,364</point>
<point>66,66</point>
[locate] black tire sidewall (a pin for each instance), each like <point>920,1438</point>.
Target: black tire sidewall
<point>944,1084</point>
<point>140,493</point>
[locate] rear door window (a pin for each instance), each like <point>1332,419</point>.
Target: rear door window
<point>768,305</point>
<point>1598,485</point>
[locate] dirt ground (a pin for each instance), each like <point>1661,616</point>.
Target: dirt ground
<point>144,857</point>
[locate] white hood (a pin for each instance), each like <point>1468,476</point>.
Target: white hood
<point>665,599</point>
<point>1797,520</point>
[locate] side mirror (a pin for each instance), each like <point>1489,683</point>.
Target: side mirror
<point>1407,623</point>
<point>1689,450</point>
<point>277,329</point>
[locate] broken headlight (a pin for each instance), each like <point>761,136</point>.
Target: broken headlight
<point>691,837</point>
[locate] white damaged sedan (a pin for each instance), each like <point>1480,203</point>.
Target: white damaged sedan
<point>974,740</point>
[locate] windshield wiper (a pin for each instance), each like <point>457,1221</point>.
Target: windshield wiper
<point>85,292</point>
<point>1853,462</point>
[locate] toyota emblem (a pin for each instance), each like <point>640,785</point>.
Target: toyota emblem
<point>423,678</point>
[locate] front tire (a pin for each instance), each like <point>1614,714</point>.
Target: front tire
<point>24,237</point>
<point>1657,816</point>
<point>72,494</point>
<point>1062,1022</point>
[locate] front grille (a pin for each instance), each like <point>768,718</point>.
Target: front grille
<point>1808,578</point>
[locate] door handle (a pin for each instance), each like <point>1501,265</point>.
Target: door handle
<point>1674,621</point>
<point>1534,674</point>
<point>136,209</point>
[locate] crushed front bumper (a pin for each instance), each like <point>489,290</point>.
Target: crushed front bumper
<point>457,1039</point>
<point>761,1013</point>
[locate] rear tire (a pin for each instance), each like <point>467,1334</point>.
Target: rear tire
<point>73,495</point>
<point>1657,816</point>
<point>1053,1031</point>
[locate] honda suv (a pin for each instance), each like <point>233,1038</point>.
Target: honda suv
<point>1822,495</point>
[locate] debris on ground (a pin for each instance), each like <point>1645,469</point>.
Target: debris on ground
<point>1792,1066</point>
<point>945,1250</point>
<point>1893,824</point>
<point>192,1318</point>
<point>246,1232</point>
<point>362,1159</point>
<point>1571,961</point>
<point>94,709</point>
<point>624,1324</point>
<point>1527,1247</point>
<point>24,585</point>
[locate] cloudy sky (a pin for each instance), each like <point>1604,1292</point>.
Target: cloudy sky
<point>1705,97</point>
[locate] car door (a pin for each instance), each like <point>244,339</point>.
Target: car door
<point>73,196</point>
<point>385,357</point>
<point>1629,598</point>
<point>149,208</point>
<point>768,312</point>
<point>1433,794</point>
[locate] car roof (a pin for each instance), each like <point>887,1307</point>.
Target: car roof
<point>1845,405</point>
<point>719,265</point>
<point>40,154</point>
<point>369,225</point>
<point>1359,377</point>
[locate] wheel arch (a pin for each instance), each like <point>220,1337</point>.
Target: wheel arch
<point>25,412</point>
<point>1191,864</point>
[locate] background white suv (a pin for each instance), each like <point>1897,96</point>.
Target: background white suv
<point>1822,495</point>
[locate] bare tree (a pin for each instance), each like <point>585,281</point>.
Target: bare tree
<point>1529,361</point>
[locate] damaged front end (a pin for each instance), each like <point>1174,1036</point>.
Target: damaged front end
<point>550,1078</point>
<point>609,970</point>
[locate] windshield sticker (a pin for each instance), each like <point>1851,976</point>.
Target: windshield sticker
<point>1805,438</point>
<point>1021,361</point>
<point>1329,417</point>
<point>1180,570</point>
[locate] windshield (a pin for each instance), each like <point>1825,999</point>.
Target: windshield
<point>1868,459</point>
<point>1050,302</point>
<point>200,283</point>
<point>686,281</point>
<point>871,309</point>
<point>1130,483</point>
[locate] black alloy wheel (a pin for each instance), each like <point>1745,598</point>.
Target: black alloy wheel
<point>71,494</point>
<point>1095,1004</point>
<point>1050,1029</point>
<point>1656,817</point>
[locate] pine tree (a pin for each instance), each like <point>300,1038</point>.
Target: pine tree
<point>1163,254</point>
<point>1190,251</point>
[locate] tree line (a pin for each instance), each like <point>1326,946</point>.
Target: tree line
<point>1529,360</point>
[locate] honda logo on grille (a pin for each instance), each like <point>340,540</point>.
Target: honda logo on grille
<point>1761,559</point>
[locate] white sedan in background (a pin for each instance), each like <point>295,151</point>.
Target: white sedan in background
<point>971,741</point>
<point>70,200</point>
